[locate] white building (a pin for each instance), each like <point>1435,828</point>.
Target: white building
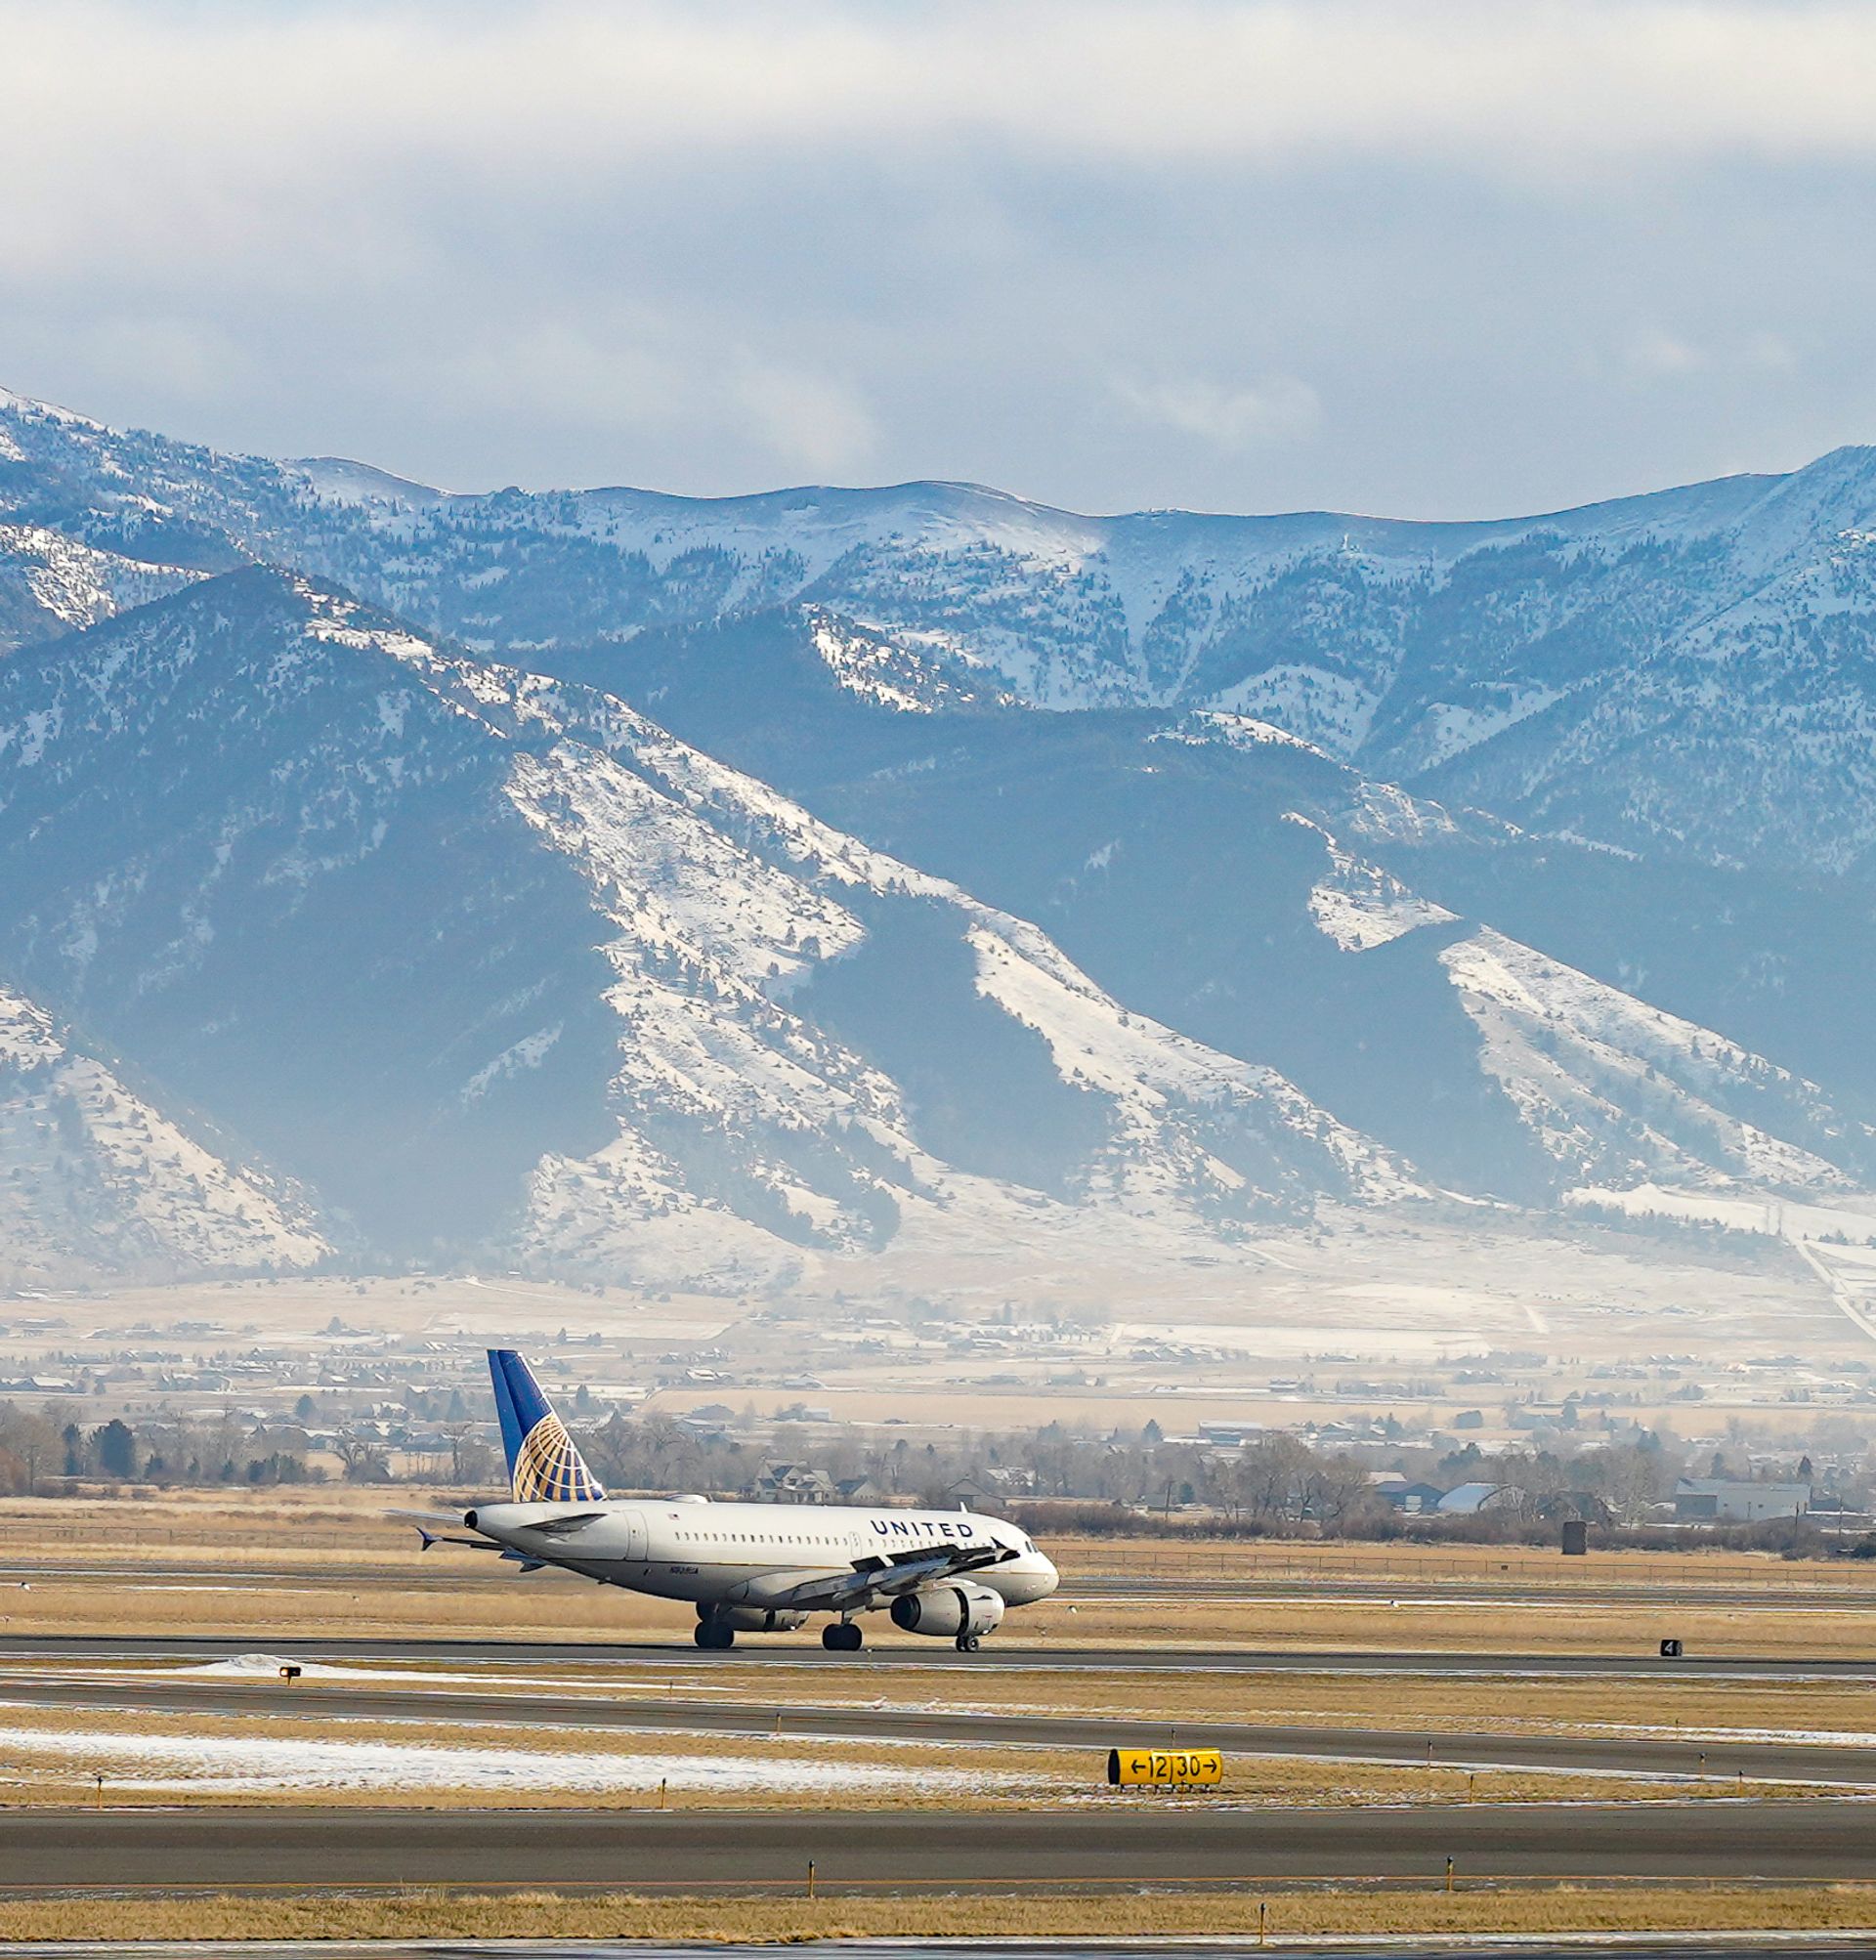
<point>1730,1503</point>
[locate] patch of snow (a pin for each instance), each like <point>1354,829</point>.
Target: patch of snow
<point>526,1053</point>
<point>1325,710</point>
<point>1612,1084</point>
<point>1360,906</point>
<point>1221,728</point>
<point>74,585</point>
<point>252,1765</point>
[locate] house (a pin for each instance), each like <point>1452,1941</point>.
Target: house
<point>1833,1514</point>
<point>791,1483</point>
<point>970,1489</point>
<point>1724,1501</point>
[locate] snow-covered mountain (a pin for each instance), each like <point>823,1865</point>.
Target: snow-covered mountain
<point>50,584</point>
<point>1239,885</point>
<point>484,957</point>
<point>1561,669</point>
<point>94,1179</point>
<point>487,962</point>
<point>628,884</point>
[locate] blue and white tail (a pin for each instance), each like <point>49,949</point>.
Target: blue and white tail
<point>543,1466</point>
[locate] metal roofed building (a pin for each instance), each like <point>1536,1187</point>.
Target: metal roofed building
<point>1726,1501</point>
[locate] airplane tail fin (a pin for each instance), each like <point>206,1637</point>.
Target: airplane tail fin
<point>543,1466</point>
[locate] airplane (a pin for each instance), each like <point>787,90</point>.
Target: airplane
<point>755,1568</point>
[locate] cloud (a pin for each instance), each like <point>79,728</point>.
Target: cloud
<point>713,246</point>
<point>1655,355</point>
<point>807,417</point>
<point>636,375</point>
<point>1279,408</point>
<point>1652,353</point>
<point>558,87</point>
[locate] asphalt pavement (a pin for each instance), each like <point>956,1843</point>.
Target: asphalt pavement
<point>1120,1843</point>
<point>1641,1660</point>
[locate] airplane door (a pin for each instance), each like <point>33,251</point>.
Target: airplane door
<point>635,1538</point>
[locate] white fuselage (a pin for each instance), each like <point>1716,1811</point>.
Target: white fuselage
<point>753,1555</point>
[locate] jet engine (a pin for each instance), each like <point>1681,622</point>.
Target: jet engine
<point>954,1611</point>
<point>759,1619</point>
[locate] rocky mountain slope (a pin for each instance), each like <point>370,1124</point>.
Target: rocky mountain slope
<point>630,885</point>
<point>1251,890</point>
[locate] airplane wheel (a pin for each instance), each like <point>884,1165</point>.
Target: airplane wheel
<point>842,1637</point>
<point>967,1643</point>
<point>711,1634</point>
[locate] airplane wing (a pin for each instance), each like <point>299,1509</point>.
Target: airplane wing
<point>887,1575</point>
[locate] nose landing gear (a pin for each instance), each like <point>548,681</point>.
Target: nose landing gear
<point>967,1643</point>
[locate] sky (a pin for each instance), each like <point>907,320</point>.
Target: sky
<point>1423,260</point>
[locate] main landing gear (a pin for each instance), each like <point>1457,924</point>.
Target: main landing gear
<point>967,1643</point>
<point>842,1637</point>
<point>714,1634</point>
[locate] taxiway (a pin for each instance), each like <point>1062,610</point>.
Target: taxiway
<point>1053,1658</point>
<point>1155,1843</point>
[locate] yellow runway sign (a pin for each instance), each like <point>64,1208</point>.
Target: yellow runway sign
<point>1186,1767</point>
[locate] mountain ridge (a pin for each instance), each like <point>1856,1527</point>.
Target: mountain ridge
<point>647,990</point>
<point>805,876</point>
<point>660,1017</point>
<point>1515,663</point>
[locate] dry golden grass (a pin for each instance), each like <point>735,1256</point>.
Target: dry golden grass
<point>1109,1912</point>
<point>187,1564</point>
<point>439,1599</point>
<point>1480,1625</point>
<point>1434,1702</point>
<point>1277,1562</point>
<point>333,1517</point>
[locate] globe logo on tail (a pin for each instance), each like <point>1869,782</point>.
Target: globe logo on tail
<point>548,1468</point>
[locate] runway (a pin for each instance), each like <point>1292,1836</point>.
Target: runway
<point>995,1654</point>
<point>1158,1843</point>
<point>492,1711</point>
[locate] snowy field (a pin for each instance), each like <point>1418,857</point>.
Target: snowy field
<point>224,1765</point>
